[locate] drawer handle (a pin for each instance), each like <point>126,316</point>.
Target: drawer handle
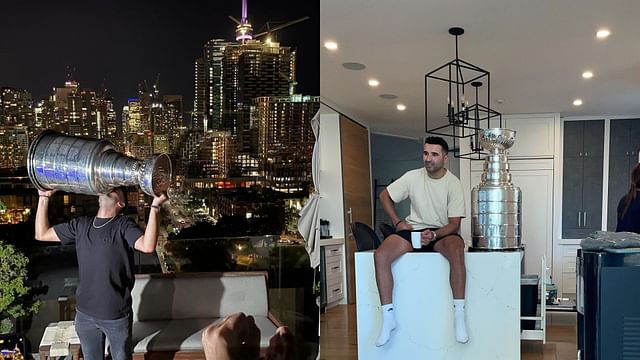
<point>335,267</point>
<point>336,290</point>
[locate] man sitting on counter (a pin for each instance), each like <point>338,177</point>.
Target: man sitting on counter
<point>437,206</point>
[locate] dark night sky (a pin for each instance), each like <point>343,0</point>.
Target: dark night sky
<point>127,42</point>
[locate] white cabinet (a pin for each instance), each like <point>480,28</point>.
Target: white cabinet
<point>564,274</point>
<point>334,273</point>
<point>535,135</point>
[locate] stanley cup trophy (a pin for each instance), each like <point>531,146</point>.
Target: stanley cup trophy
<point>92,167</point>
<point>496,215</point>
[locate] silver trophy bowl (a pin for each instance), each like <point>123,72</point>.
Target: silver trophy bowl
<point>497,140</point>
<point>496,204</point>
<point>91,166</point>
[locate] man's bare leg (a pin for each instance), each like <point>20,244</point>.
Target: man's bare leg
<point>391,248</point>
<point>452,248</point>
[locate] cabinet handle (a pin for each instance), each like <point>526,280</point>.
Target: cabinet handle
<point>335,267</point>
<point>584,220</point>
<point>586,154</point>
<point>627,153</point>
<point>579,218</point>
<point>580,154</point>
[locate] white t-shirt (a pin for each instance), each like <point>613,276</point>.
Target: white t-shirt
<point>433,201</point>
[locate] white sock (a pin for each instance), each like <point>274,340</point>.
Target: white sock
<point>461,326</point>
<point>388,324</point>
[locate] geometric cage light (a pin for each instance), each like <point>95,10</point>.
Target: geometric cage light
<point>460,80</point>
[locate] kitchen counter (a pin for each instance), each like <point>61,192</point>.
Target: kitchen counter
<point>424,308</point>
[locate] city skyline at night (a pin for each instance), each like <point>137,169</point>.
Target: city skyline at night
<point>120,45</point>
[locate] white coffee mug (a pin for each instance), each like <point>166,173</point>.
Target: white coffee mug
<point>416,237</point>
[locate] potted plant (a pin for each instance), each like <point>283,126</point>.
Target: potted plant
<point>15,298</point>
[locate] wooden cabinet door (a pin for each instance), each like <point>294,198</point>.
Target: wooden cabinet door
<point>357,190</point>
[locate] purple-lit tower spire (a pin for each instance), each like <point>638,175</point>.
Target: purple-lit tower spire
<point>244,31</point>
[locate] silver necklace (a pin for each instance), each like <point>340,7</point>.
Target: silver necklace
<point>103,225</point>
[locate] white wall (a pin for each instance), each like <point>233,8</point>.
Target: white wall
<point>331,198</point>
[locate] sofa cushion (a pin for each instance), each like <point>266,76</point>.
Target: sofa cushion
<point>184,334</point>
<point>197,296</point>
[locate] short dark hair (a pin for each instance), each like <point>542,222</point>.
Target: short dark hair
<point>437,140</point>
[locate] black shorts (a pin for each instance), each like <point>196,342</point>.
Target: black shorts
<point>406,234</point>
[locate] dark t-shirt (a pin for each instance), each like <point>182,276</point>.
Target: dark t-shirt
<point>631,220</point>
<point>105,263</point>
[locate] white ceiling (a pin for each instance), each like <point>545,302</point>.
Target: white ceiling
<point>536,51</point>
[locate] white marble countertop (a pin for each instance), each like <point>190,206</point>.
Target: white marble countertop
<point>424,308</point>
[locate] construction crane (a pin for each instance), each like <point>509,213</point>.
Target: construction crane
<point>244,30</point>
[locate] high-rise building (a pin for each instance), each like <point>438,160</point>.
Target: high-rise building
<point>48,116</point>
<point>89,113</point>
<point>61,94</point>
<point>172,113</point>
<point>190,140</point>
<point>285,140</point>
<point>213,157</point>
<point>233,75</point>
<point>134,117</point>
<point>213,65</point>
<point>141,144</point>
<point>199,111</point>
<point>14,144</point>
<point>16,107</point>
<point>252,70</point>
<point>72,115</point>
<point>106,126</point>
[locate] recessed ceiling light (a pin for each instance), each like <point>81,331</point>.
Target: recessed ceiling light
<point>500,100</point>
<point>373,82</point>
<point>577,102</point>
<point>388,96</point>
<point>587,74</point>
<point>353,66</point>
<point>603,33</point>
<point>401,107</point>
<point>331,45</point>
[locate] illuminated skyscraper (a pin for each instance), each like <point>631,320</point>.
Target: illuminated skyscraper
<point>285,139</point>
<point>106,121</point>
<point>213,64</point>
<point>14,143</point>
<point>16,107</point>
<point>89,113</point>
<point>133,119</point>
<point>72,115</point>
<point>198,116</point>
<point>252,70</point>
<point>172,113</point>
<point>213,156</point>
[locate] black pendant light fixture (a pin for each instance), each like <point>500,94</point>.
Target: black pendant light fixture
<point>463,120</point>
